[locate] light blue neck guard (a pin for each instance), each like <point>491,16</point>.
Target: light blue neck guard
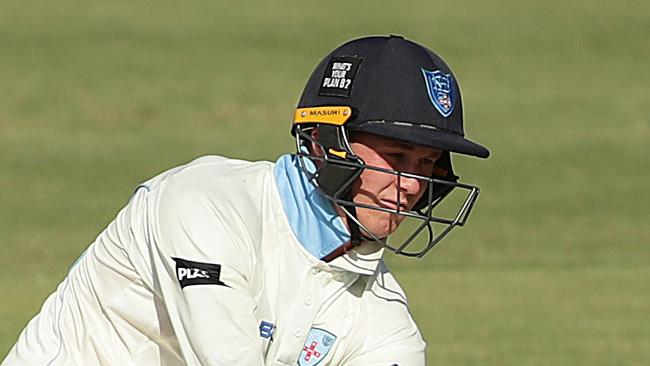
<point>312,217</point>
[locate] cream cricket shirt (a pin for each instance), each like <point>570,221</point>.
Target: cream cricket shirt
<point>202,267</point>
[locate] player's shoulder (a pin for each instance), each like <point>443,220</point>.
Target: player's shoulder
<point>213,169</point>
<point>212,174</point>
<point>384,286</point>
<point>391,333</point>
<point>214,184</point>
<point>387,303</point>
<point>215,192</point>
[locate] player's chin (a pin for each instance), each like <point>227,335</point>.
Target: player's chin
<point>382,224</point>
<point>394,222</point>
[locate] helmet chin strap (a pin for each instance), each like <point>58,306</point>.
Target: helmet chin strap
<point>355,232</point>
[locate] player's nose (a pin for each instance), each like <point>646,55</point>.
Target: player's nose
<point>410,185</point>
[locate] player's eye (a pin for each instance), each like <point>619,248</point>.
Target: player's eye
<point>428,161</point>
<point>395,155</point>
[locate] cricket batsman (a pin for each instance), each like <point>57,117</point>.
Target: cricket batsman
<point>231,262</point>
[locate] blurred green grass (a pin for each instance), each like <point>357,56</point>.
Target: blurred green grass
<point>554,265</point>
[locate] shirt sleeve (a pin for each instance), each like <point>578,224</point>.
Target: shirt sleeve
<point>201,268</point>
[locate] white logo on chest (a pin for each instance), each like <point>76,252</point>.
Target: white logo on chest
<point>191,273</point>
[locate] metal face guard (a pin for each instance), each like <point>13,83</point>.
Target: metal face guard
<point>335,172</point>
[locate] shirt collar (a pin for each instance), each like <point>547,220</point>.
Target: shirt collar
<point>315,222</point>
<point>362,259</point>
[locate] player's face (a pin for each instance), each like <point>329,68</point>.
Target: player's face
<point>381,189</point>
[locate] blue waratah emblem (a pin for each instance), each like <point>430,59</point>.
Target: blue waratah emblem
<point>317,345</point>
<point>441,90</point>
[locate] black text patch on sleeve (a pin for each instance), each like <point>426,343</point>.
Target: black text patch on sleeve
<point>339,76</point>
<point>197,273</point>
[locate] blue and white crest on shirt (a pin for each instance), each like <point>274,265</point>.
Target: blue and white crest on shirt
<point>440,87</point>
<point>317,345</point>
<point>266,329</point>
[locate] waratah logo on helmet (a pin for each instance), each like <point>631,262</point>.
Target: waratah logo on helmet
<point>440,87</point>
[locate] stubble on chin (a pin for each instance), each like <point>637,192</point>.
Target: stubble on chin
<point>381,224</point>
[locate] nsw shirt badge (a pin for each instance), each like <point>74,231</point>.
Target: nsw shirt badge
<point>317,345</point>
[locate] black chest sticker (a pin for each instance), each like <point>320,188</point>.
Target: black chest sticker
<point>339,76</point>
<point>197,273</point>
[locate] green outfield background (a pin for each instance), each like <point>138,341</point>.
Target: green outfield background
<point>554,266</point>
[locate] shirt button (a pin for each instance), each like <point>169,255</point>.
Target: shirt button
<point>315,271</point>
<point>308,301</point>
<point>297,333</point>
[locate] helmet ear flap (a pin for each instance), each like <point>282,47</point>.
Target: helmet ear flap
<point>331,137</point>
<point>335,179</point>
<point>442,171</point>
